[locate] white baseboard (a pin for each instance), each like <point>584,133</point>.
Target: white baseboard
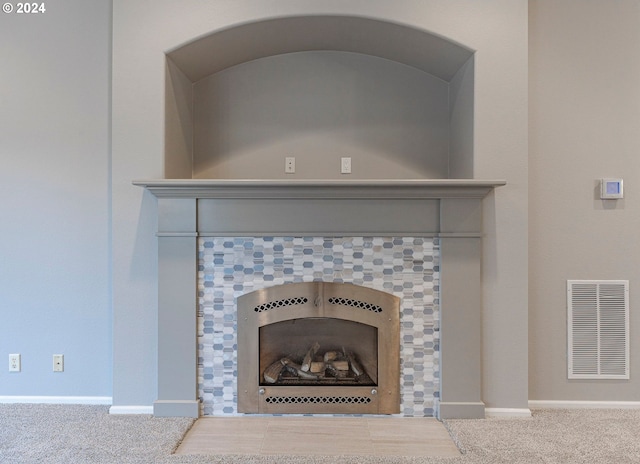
<point>507,412</point>
<point>106,400</point>
<point>554,404</point>
<point>131,410</point>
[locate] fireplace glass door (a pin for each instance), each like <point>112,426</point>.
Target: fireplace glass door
<point>318,351</point>
<point>318,347</point>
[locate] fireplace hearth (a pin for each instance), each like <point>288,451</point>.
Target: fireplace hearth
<point>318,347</point>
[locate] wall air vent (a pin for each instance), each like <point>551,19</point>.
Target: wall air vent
<point>598,329</point>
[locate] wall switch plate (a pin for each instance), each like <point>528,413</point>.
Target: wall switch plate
<point>345,165</point>
<point>290,165</point>
<point>14,363</point>
<point>58,363</point>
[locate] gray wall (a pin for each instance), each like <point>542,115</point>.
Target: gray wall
<point>54,184</point>
<point>178,135</point>
<point>391,119</point>
<point>461,98</point>
<point>584,125</point>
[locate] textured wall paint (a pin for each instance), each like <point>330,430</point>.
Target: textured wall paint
<point>54,183</point>
<point>584,120</point>
<point>320,106</point>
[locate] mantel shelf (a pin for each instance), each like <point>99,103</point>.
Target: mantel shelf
<point>320,189</point>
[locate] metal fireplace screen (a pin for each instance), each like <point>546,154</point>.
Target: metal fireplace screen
<point>318,347</point>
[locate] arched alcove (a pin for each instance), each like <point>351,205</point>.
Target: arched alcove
<point>395,99</point>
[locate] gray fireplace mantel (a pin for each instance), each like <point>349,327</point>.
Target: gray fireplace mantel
<point>447,208</point>
<point>341,189</point>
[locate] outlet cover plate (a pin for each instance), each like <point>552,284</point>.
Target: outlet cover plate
<point>290,165</point>
<point>14,363</point>
<point>58,363</point>
<point>345,165</point>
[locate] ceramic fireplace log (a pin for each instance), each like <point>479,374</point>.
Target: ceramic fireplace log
<point>317,367</point>
<point>296,369</point>
<point>335,372</point>
<point>272,373</point>
<point>331,355</point>
<point>308,358</point>
<point>340,365</point>
<point>355,366</point>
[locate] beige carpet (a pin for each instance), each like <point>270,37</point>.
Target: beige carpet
<point>67,434</point>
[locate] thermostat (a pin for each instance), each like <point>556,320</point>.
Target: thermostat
<point>611,189</point>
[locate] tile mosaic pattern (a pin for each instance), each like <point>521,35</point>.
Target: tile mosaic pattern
<point>407,267</point>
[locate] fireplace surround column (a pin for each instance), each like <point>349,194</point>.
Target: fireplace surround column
<point>460,315</point>
<point>177,268</point>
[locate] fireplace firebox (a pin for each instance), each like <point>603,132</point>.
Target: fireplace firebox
<point>318,347</point>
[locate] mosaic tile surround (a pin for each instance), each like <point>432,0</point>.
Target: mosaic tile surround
<point>408,267</point>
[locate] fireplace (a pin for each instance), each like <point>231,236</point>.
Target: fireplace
<point>318,347</point>
<point>448,210</point>
<point>398,99</point>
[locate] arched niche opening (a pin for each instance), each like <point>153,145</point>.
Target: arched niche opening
<point>395,99</point>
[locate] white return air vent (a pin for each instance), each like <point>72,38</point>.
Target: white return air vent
<point>598,329</point>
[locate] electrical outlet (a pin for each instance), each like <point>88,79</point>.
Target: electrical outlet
<point>14,363</point>
<point>345,165</point>
<point>58,363</point>
<point>290,165</point>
